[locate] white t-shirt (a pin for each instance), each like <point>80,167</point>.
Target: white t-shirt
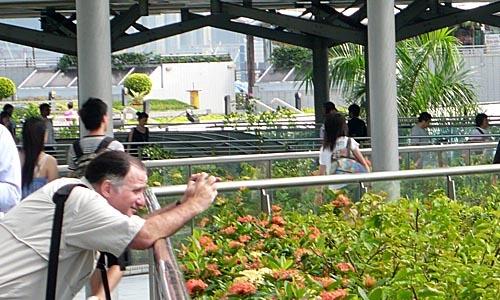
<point>89,144</point>
<point>340,150</point>
<point>10,171</point>
<point>89,224</point>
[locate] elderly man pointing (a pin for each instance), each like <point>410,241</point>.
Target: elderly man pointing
<point>97,217</point>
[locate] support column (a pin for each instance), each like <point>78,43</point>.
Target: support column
<point>250,64</point>
<point>320,78</point>
<point>94,54</point>
<point>382,79</point>
<point>367,90</point>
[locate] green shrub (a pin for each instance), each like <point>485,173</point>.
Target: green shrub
<point>139,83</point>
<point>286,57</point>
<point>7,87</point>
<point>67,61</point>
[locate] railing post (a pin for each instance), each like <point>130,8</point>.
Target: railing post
<point>450,183</point>
<point>362,189</point>
<point>269,172</point>
<point>153,288</point>
<point>265,202</point>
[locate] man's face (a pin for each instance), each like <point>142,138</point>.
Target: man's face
<point>129,197</point>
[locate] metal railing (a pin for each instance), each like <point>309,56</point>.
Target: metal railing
<point>270,157</point>
<point>360,179</point>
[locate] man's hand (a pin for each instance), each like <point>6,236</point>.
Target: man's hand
<point>200,192</point>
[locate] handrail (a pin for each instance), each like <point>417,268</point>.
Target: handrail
<point>166,279</point>
<point>295,155</point>
<point>334,179</point>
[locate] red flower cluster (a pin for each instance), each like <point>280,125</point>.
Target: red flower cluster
<point>341,201</point>
<point>244,238</point>
<point>301,252</point>
<point>214,269</point>
<point>208,244</point>
<point>276,209</point>
<point>277,231</point>
<point>325,281</point>
<point>314,232</point>
<point>345,267</point>
<point>246,219</point>
<point>235,244</point>
<point>284,274</point>
<point>242,288</point>
<point>228,230</point>
<point>278,220</point>
<point>263,223</point>
<point>335,295</point>
<point>195,286</point>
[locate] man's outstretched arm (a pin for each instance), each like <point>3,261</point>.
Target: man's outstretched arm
<point>200,193</point>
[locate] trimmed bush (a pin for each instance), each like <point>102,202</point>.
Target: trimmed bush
<point>138,83</point>
<point>7,87</point>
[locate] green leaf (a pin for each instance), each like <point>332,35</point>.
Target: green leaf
<point>362,293</point>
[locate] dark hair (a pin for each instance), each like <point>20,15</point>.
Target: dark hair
<point>3,114</point>
<point>43,106</point>
<point>33,143</point>
<point>480,119</point>
<point>70,104</point>
<point>354,110</point>
<point>335,127</point>
<point>329,107</point>
<point>141,115</point>
<point>8,108</point>
<point>92,113</point>
<point>111,165</point>
<point>424,116</point>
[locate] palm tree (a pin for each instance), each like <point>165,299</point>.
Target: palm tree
<point>430,75</point>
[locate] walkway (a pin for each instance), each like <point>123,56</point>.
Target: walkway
<point>134,287</point>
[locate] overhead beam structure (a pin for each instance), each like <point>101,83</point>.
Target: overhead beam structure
<point>323,24</point>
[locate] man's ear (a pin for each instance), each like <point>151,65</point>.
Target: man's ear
<point>105,188</point>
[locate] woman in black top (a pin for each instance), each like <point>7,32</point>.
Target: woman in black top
<point>140,133</point>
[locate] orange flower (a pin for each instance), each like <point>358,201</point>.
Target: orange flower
<point>195,286</point>
<point>315,233</point>
<point>203,222</point>
<point>276,209</point>
<point>278,231</point>
<point>341,201</point>
<point>284,274</point>
<point>205,240</point>
<point>263,223</point>
<point>278,220</point>
<point>242,288</point>
<point>256,264</point>
<point>229,230</point>
<point>244,238</point>
<point>245,219</point>
<point>324,281</point>
<point>301,252</point>
<point>214,269</point>
<point>235,244</point>
<point>369,282</point>
<point>335,295</point>
<point>345,267</point>
<point>210,248</point>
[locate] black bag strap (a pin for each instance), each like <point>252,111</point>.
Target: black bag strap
<point>101,265</point>
<point>104,144</point>
<point>59,198</point>
<point>78,149</point>
<point>480,130</point>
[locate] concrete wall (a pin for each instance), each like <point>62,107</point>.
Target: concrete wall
<point>486,75</point>
<point>213,80</point>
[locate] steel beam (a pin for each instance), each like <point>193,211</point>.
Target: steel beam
<point>162,32</point>
<point>123,21</point>
<point>52,20</point>
<point>411,12</point>
<point>452,16</point>
<point>37,39</point>
<point>262,32</point>
<point>296,24</point>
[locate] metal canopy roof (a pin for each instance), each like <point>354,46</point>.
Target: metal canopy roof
<point>33,8</point>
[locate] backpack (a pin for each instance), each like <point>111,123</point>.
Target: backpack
<point>82,160</point>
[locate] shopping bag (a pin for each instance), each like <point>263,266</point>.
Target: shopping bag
<point>345,165</point>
